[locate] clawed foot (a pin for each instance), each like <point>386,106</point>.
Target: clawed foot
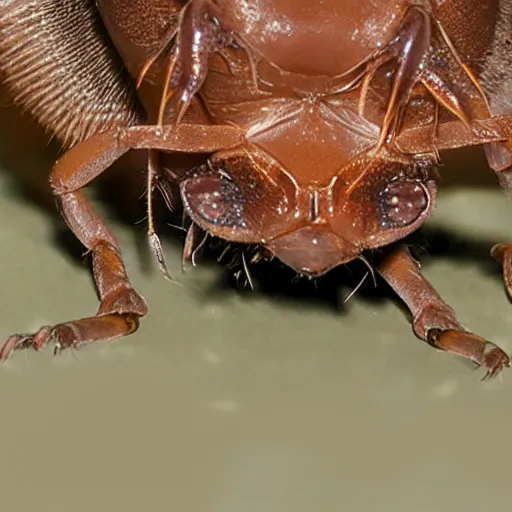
<point>482,352</point>
<point>35,341</point>
<point>494,359</point>
<point>74,334</point>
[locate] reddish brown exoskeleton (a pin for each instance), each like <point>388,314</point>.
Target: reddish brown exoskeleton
<point>317,127</point>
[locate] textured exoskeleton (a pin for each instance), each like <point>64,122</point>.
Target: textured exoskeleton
<point>313,127</point>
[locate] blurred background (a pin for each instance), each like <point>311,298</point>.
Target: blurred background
<point>226,401</point>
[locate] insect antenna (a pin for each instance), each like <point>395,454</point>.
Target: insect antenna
<point>198,248</point>
<point>370,269</point>
<point>175,226</point>
<point>191,248</point>
<point>356,289</point>
<point>246,271</point>
<point>223,253</point>
<point>190,242</point>
<point>154,241</point>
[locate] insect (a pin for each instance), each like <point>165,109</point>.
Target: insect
<point>309,129</point>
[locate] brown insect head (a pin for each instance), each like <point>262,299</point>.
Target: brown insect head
<point>246,196</point>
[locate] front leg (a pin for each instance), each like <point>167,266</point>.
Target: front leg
<point>201,31</point>
<point>433,320</point>
<point>121,306</point>
<point>499,156</point>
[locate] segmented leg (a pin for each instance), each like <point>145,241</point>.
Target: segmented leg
<point>120,305</point>
<point>199,33</point>
<point>433,320</point>
<point>411,48</point>
<point>154,176</point>
<point>499,157</point>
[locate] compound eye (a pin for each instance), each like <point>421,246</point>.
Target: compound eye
<point>216,199</point>
<point>402,202</point>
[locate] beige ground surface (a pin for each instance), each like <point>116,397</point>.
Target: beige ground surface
<point>249,403</point>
